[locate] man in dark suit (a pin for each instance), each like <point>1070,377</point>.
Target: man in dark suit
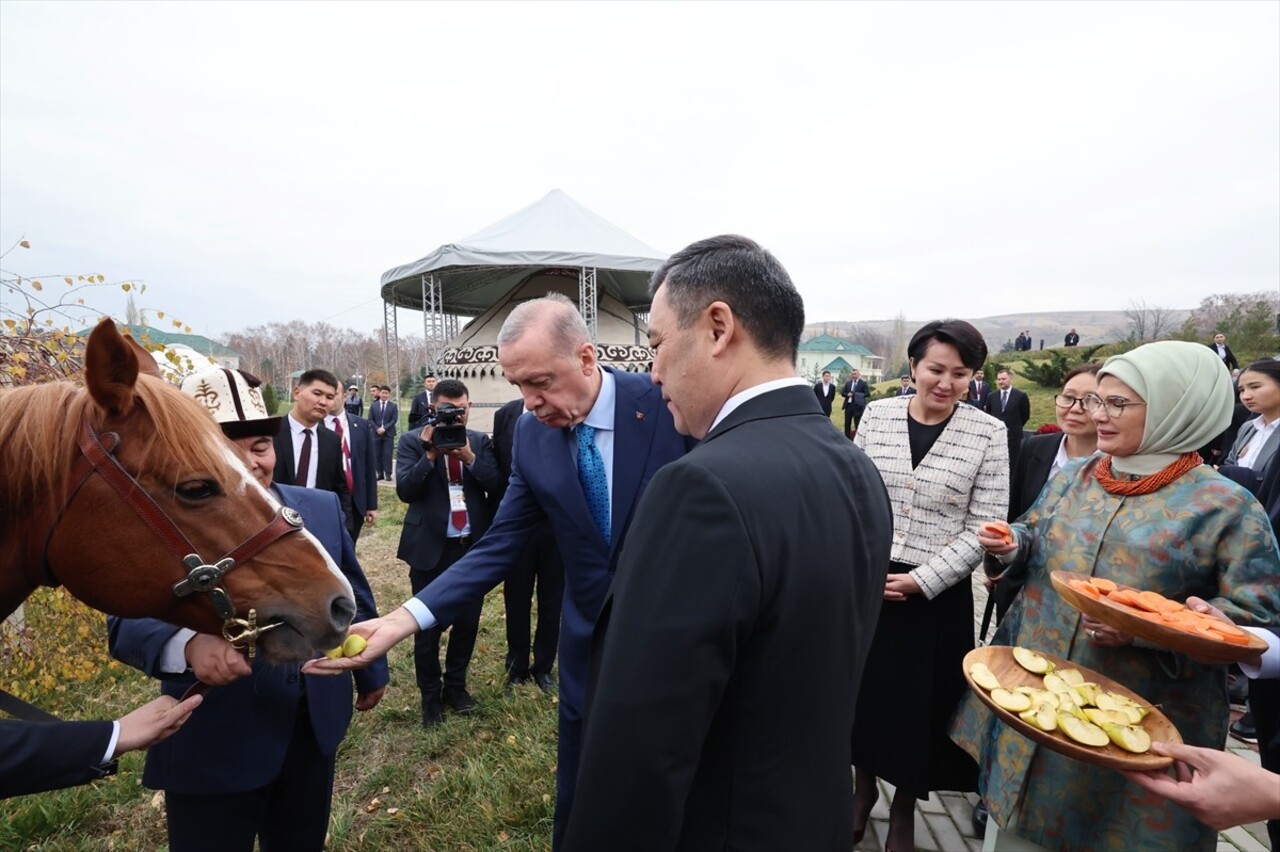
<point>1072,339</point>
<point>1219,345</point>
<point>545,349</point>
<point>449,509</point>
<point>825,390</point>
<point>979,390</point>
<point>303,436</point>
<point>384,416</point>
<point>855,393</point>
<point>1012,406</point>
<point>358,462</point>
<point>36,756</point>
<point>541,567</point>
<point>424,402</point>
<point>260,754</point>
<point>904,389</point>
<point>759,559</point>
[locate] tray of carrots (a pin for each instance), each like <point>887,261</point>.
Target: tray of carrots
<point>1157,619</point>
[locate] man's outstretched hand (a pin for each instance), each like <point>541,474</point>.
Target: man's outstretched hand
<point>382,634</point>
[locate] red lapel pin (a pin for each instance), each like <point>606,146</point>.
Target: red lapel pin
<point>639,415</point>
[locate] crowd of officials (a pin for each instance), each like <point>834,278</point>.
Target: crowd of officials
<point>757,617</point>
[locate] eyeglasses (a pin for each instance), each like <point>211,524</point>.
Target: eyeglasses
<point>1066,403</point>
<point>1113,405</point>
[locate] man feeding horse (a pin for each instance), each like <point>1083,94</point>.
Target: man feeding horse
<point>260,754</point>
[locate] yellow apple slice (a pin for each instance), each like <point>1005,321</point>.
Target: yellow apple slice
<point>1014,702</point>
<point>1129,737</point>
<point>1042,716</point>
<point>1055,684</point>
<point>334,653</point>
<point>1082,731</point>
<point>354,644</point>
<point>984,677</point>
<point>1071,676</point>
<point>1031,661</point>
<point>1102,718</point>
<point>1106,701</point>
<point>1088,691</point>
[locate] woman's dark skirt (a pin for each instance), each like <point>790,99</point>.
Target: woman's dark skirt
<point>913,682</point>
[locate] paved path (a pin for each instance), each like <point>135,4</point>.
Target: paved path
<point>945,821</point>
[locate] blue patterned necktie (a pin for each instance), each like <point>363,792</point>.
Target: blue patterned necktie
<point>591,473</point>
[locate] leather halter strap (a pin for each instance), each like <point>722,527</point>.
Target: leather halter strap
<point>200,577</point>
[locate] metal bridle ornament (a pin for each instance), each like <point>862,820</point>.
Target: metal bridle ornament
<point>201,577</point>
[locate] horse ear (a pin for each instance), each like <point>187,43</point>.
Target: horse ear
<point>110,368</point>
<point>146,364</point>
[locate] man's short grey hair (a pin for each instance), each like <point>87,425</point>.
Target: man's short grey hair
<point>554,312</point>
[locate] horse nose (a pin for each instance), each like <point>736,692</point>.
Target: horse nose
<point>341,611</point>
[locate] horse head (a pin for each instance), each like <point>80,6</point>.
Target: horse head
<point>109,549</point>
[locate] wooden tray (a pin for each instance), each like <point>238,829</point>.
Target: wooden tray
<point>999,658</point>
<point>1121,618</point>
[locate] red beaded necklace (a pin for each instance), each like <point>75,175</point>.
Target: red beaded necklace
<point>1148,484</point>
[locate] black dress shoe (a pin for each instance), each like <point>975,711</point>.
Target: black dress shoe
<point>547,684</point>
<point>459,701</point>
<point>518,680</point>
<point>1244,730</point>
<point>432,713</point>
<point>980,816</point>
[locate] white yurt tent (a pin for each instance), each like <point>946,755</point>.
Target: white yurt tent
<point>553,244</point>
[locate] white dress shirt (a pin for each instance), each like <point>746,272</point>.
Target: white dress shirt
<point>1251,453</point>
<point>751,393</point>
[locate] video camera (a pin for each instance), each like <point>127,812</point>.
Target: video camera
<point>450,431</point>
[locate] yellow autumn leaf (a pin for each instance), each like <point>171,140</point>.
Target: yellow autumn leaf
<point>10,324</point>
<point>25,244</point>
<point>187,329</point>
<point>160,314</point>
<point>126,286</point>
<point>36,285</point>
<point>67,278</point>
<point>177,323</point>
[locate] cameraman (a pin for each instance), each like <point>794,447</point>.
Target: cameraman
<point>445,473</point>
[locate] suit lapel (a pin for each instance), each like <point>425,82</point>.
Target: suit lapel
<point>635,416</point>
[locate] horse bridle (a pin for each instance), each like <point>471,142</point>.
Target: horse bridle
<point>201,577</point>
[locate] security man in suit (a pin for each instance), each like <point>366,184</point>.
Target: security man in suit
<point>855,393</point>
<point>825,390</point>
<point>448,495</point>
<point>1013,407</point>
<point>423,403</point>
<point>979,390</point>
<point>596,438</point>
<point>355,436</point>
<point>308,454</point>
<point>759,560</point>
<point>384,417</point>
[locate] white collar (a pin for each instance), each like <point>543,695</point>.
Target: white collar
<point>601,415</point>
<point>751,393</point>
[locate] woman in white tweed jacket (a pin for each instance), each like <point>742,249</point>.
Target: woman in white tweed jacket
<point>946,467</point>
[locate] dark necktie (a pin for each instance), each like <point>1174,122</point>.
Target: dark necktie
<point>458,519</point>
<point>304,460</point>
<point>1004,399</point>
<point>346,454</point>
<point>595,484</point>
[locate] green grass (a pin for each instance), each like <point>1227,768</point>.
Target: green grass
<point>482,782</point>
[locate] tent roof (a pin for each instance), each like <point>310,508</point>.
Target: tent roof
<point>555,231</point>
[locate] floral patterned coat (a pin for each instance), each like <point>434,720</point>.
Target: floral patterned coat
<point>1199,535</point>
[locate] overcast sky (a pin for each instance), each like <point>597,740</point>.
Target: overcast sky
<point>254,162</point>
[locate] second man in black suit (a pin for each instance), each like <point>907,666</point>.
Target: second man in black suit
<point>727,656</point>
<point>855,393</point>
<point>1012,406</point>
<point>449,509</point>
<point>308,454</point>
<point>383,417</point>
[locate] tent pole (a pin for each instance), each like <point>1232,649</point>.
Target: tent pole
<point>587,300</point>
<point>391,345</point>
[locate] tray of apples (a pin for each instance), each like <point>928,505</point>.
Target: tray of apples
<point>1068,708</point>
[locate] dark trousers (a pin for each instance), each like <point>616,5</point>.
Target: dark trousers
<point>462,634</point>
<point>851,417</point>
<point>539,565</point>
<point>290,813</point>
<point>568,757</point>
<point>382,447</point>
<point>1264,702</point>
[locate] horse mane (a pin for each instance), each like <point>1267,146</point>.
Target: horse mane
<point>40,425</point>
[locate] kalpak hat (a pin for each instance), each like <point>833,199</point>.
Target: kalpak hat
<point>233,398</point>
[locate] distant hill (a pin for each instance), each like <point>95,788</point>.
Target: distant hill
<point>1049,326</point>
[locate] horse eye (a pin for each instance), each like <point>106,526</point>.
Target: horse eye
<point>198,489</point>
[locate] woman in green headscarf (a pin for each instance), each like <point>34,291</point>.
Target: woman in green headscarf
<point>1147,513</point>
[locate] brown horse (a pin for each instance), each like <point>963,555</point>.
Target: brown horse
<point>129,495</point>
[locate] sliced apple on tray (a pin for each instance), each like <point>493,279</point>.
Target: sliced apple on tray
<point>1031,661</point>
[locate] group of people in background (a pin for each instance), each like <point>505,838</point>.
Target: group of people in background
<point>746,603</point>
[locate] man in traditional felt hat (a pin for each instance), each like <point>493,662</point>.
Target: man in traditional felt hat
<point>260,753</point>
